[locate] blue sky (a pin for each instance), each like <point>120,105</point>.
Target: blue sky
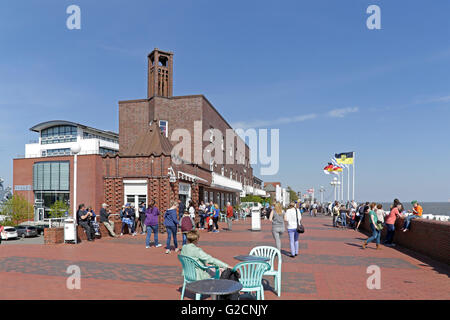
<point>258,62</point>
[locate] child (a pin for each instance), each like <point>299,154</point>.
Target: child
<point>186,224</point>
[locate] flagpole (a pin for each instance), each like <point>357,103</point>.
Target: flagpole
<point>342,185</point>
<point>354,160</point>
<point>348,183</point>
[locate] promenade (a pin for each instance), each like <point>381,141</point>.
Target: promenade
<point>331,265</point>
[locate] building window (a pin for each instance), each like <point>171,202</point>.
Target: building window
<point>88,135</point>
<point>59,134</point>
<point>164,126</point>
<point>57,152</point>
<point>104,151</point>
<point>51,176</point>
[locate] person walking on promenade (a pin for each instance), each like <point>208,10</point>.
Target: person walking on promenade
<point>201,213</point>
<point>277,219</point>
<point>209,216</point>
<point>293,218</point>
<point>375,227</point>
<point>152,223</point>
<point>417,213</point>
<point>201,257</point>
<point>104,218</point>
<point>363,210</point>
<point>216,217</point>
<point>335,213</point>
<point>171,222</point>
<point>186,224</point>
<point>230,215</point>
<point>343,214</point>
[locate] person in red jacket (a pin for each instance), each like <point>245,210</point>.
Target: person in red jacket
<point>230,215</point>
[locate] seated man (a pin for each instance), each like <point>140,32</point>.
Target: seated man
<point>104,218</point>
<point>201,257</point>
<point>83,221</point>
<point>417,213</point>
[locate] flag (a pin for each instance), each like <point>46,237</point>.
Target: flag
<point>337,169</point>
<point>328,168</point>
<point>344,158</point>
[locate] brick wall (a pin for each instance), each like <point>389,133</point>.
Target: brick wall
<point>89,178</point>
<point>53,235</point>
<point>428,237</point>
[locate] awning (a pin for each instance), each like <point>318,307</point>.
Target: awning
<point>189,177</point>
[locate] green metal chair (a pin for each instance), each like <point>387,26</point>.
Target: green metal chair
<point>251,276</point>
<point>272,253</point>
<point>190,272</point>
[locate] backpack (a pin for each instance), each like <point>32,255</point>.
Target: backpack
<point>229,274</point>
<point>186,224</point>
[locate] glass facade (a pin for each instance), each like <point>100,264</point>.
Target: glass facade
<point>51,176</point>
<point>59,134</point>
<point>88,135</point>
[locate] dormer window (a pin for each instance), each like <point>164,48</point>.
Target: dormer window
<point>163,125</point>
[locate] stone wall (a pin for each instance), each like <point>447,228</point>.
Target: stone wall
<point>428,237</point>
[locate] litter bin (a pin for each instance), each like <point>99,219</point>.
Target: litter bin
<point>256,220</point>
<point>69,230</point>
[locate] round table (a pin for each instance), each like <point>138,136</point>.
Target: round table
<point>251,258</point>
<point>214,287</point>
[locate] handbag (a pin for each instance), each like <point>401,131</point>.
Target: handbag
<point>300,227</point>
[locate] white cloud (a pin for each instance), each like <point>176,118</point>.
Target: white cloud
<point>342,112</point>
<point>335,113</point>
<point>267,123</point>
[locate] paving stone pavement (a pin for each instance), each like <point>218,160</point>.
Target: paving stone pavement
<point>331,265</point>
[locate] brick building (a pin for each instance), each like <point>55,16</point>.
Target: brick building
<point>146,166</point>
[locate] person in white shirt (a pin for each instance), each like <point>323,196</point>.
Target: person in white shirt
<point>293,218</point>
<point>201,213</point>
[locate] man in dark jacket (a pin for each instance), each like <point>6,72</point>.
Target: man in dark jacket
<point>142,210</point>
<point>83,220</point>
<point>104,218</point>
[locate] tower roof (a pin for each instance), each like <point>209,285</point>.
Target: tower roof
<point>150,142</point>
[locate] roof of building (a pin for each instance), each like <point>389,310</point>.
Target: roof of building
<point>269,188</point>
<point>272,183</point>
<point>52,123</point>
<point>151,142</point>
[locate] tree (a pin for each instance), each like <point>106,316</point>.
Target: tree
<point>58,209</point>
<point>251,198</point>
<point>17,209</point>
<point>292,194</point>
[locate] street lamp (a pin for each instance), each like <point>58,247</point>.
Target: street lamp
<point>335,182</point>
<point>75,150</point>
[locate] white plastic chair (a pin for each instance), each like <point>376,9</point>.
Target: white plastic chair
<point>270,252</point>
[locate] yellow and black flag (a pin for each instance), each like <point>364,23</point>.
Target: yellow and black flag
<point>344,158</point>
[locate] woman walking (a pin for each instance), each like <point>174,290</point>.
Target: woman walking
<point>151,223</point>
<point>171,222</point>
<point>293,218</point>
<point>216,217</point>
<point>376,229</point>
<point>277,219</point>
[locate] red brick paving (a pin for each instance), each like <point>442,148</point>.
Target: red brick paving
<point>331,266</point>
